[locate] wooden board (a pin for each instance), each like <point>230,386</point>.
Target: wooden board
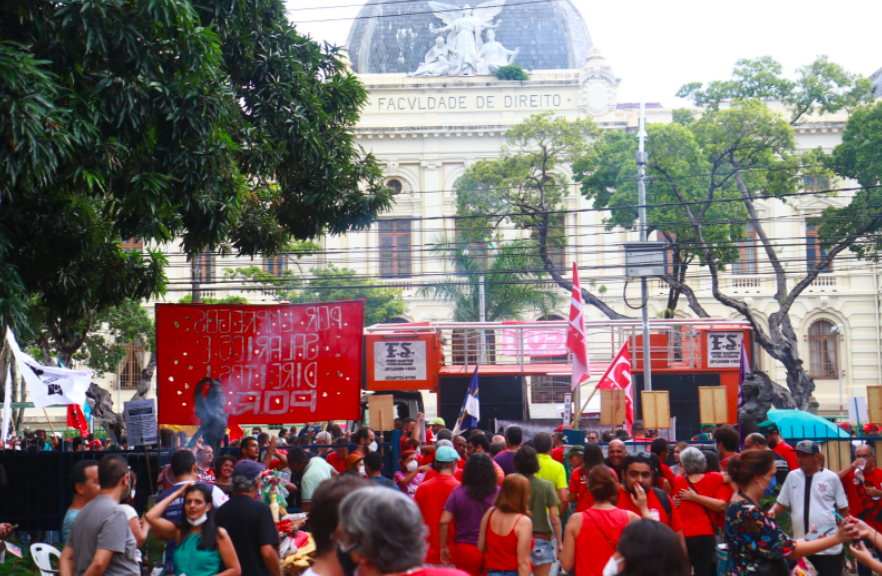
<point>713,405</point>
<point>381,412</point>
<point>874,404</point>
<point>612,407</point>
<point>837,454</point>
<point>656,409</point>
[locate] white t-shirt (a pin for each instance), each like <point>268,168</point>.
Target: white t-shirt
<point>130,513</point>
<point>826,493</point>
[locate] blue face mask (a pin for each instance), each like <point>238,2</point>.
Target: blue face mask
<point>770,490</point>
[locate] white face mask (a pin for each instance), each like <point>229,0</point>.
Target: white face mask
<point>612,566</point>
<point>198,521</point>
<point>132,495</point>
<point>361,470</point>
<point>412,465</point>
<point>372,447</point>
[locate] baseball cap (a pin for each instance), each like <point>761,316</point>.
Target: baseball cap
<point>638,425</point>
<point>706,426</point>
<point>446,454</point>
<point>577,450</point>
<point>807,447</point>
<point>96,443</point>
<point>249,469</point>
<point>438,421</point>
<point>562,427</point>
<point>767,427</point>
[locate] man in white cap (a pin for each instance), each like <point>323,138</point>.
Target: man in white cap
<point>814,495</point>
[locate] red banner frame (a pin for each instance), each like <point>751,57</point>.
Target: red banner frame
<point>277,364</point>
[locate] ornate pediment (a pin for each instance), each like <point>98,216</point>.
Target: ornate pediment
<point>598,92</point>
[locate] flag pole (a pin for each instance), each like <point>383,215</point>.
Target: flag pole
<point>584,406</point>
<point>51,427</point>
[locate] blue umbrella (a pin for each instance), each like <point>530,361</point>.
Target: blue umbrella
<point>799,424</point>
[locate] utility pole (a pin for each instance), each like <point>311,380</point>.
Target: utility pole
<point>641,190</point>
<point>196,275</point>
<point>482,315</point>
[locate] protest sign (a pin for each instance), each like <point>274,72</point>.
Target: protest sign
<point>140,417</point>
<point>724,349</point>
<point>275,364</point>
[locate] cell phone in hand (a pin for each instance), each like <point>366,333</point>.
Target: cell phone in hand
<point>822,532</point>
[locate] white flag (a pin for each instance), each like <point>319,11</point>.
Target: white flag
<point>7,406</point>
<point>473,407</point>
<point>49,385</point>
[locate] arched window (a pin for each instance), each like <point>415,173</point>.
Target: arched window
<point>395,185</point>
<point>823,350</point>
<point>130,371</point>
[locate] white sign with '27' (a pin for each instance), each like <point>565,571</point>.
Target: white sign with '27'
<point>399,360</point>
<point>724,349</point>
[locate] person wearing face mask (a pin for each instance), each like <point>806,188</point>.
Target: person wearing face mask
<point>100,541</point>
<point>755,543</point>
<point>365,441</point>
<point>312,472</point>
<point>695,495</point>
<point>647,548</point>
<point>592,535</point>
<point>381,533</point>
<point>411,475</point>
<point>202,548</point>
<point>638,494</point>
<point>813,495</point>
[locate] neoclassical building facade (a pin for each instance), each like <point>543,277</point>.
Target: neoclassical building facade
<point>434,110</point>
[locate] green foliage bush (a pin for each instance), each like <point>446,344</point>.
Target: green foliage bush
<point>512,72</point>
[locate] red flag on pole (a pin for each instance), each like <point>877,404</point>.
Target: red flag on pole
<point>76,418</point>
<point>618,377</point>
<point>577,341</point>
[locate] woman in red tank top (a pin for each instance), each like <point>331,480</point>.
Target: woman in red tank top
<point>591,537</point>
<point>506,536</point>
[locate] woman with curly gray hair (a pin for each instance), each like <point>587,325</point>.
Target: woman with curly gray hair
<point>381,533</point>
<point>699,495</point>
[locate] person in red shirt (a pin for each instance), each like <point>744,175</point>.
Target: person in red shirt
<point>579,492</point>
<point>591,536</point>
<point>862,481</point>
<point>726,439</point>
<point>773,436</point>
<point>557,442</point>
<point>431,496</point>
<point>638,495</point>
<point>695,496</point>
<point>638,431</point>
<point>659,447</point>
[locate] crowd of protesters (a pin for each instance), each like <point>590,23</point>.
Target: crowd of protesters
<point>482,504</point>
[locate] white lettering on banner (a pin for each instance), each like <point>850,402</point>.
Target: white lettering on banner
<point>724,349</point>
<point>470,102</point>
<point>399,360</point>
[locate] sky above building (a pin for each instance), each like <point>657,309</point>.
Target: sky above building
<point>656,47</point>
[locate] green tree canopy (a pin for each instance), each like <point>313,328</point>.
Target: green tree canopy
<point>215,124</point>
<point>327,284</point>
<point>526,186</point>
<point>706,174</point>
<point>510,273</point>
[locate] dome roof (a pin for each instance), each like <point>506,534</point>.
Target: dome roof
<point>393,37</point>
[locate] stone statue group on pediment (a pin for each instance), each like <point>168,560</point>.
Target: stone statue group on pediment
<point>464,52</point>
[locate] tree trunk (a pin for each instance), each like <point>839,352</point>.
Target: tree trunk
<point>800,384</point>
<point>102,411</point>
<point>146,382</point>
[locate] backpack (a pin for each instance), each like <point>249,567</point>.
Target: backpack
<point>664,499</point>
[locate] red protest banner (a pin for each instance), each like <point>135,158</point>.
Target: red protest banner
<point>277,364</point>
